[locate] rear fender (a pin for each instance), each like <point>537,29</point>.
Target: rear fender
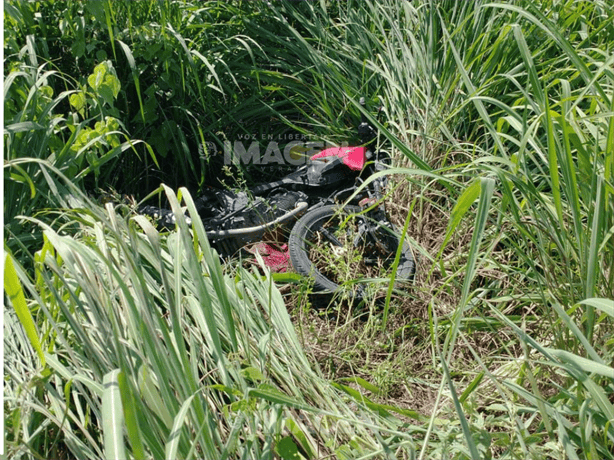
<point>352,157</point>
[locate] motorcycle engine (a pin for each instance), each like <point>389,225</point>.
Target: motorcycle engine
<point>239,210</point>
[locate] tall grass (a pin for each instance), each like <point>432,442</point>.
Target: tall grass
<point>151,349</point>
<point>499,118</point>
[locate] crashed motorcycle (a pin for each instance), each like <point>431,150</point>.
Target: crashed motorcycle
<point>332,207</point>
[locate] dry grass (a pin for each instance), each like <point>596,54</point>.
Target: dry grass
<point>346,340</point>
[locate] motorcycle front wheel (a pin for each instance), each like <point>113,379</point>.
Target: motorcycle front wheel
<point>341,249</point>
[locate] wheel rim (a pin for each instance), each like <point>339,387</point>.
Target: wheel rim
<point>339,248</point>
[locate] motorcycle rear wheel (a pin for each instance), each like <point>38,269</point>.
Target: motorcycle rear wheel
<point>327,245</point>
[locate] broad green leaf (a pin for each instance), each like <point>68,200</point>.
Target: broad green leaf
<point>301,437</point>
<point>96,79</point>
<point>77,102</point>
<point>287,449</point>
<point>104,82</point>
<point>252,374</point>
<point>96,9</point>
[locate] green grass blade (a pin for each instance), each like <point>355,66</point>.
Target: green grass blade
<point>464,202</point>
<point>113,418</point>
<point>461,414</point>
<point>553,162</point>
<point>487,186</point>
<point>131,417</point>
<point>172,445</point>
<point>584,364</point>
<point>573,327</point>
<point>135,77</point>
<point>605,305</point>
<point>216,270</point>
<point>472,90</point>
<point>14,292</point>
<point>108,12</point>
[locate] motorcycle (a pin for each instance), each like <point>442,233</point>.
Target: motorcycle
<point>333,222</point>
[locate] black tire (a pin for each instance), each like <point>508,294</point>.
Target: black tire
<point>307,234</point>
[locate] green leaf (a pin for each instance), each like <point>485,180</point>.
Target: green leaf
<point>131,416</point>
<point>253,374</point>
<point>286,277</point>
<point>273,395</point>
<point>299,435</point>
<point>586,365</point>
<point>472,386</point>
<point>151,395</point>
<point>23,126</point>
<point>14,292</point>
<point>175,435</point>
<point>77,102</point>
<point>96,9</point>
<point>382,409</point>
<point>113,417</point>
<point>226,389</point>
<point>104,82</point>
<point>461,207</point>
<point>287,449</point>
<point>23,178</point>
<point>135,76</point>
<point>78,47</point>
<point>461,415</point>
<point>487,186</point>
<point>363,383</point>
<point>553,161</point>
<point>605,305</point>
<point>96,79</point>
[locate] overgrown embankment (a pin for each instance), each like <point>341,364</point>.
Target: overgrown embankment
<point>121,341</point>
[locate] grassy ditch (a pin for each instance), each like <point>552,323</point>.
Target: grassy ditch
<point>124,342</point>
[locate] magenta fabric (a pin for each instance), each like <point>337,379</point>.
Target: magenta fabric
<point>277,258</point>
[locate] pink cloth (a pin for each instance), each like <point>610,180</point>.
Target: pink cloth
<point>277,258</point>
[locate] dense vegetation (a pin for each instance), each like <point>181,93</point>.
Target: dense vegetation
<point>123,342</point>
